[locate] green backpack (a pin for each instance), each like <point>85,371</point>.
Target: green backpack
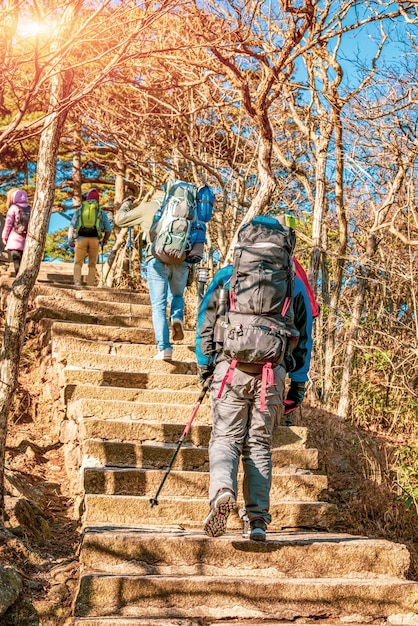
<point>88,220</point>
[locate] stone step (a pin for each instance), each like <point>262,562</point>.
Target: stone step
<point>99,453</point>
<point>306,487</point>
<point>116,363</point>
<point>134,421</point>
<point>161,409</point>
<point>91,307</point>
<point>190,512</point>
<point>136,431</point>
<point>142,380</point>
<point>114,295</point>
<point>74,392</point>
<point>133,621</point>
<point>206,597</point>
<point>98,294</point>
<point>65,344</point>
<point>79,317</point>
<point>54,277</point>
<point>152,430</point>
<point>295,555</point>
<point>98,333</point>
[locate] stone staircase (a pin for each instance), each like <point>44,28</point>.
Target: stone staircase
<point>143,566</point>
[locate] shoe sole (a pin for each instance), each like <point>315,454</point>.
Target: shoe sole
<point>215,523</point>
<point>178,333</point>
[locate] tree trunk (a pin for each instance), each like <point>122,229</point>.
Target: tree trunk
<point>342,249</point>
<point>77,176</point>
<point>14,332</point>
<point>344,402</point>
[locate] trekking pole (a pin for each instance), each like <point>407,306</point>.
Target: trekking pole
<point>129,248</point>
<point>205,388</point>
<point>102,280</point>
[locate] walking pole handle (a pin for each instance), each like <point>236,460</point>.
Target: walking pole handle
<point>206,387</point>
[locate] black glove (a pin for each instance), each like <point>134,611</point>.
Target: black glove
<point>289,362</point>
<point>203,373</point>
<point>294,397</point>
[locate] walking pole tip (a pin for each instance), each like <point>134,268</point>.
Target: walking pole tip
<point>154,502</point>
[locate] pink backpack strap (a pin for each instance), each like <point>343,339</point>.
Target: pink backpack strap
<point>267,379</point>
<point>227,379</point>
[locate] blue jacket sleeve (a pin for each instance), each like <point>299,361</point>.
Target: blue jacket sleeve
<point>304,323</point>
<point>205,345</point>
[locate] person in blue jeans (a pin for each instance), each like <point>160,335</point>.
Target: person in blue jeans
<point>166,281</point>
<point>166,284</point>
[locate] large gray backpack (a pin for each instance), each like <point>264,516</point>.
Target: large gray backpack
<point>260,295</point>
<point>171,229</point>
<point>258,324</point>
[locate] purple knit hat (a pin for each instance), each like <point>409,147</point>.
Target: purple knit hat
<point>20,198</point>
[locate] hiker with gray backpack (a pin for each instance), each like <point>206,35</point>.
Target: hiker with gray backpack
<point>174,222</point>
<point>247,340</point>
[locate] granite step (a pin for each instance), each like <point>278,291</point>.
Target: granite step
<point>142,551</point>
<point>138,431</point>
<point>80,317</point>
<point>292,484</point>
<point>95,332</point>
<point>75,392</point>
<point>125,363</point>
<point>139,380</point>
<point>189,512</point>
<point>93,306</point>
<point>133,621</point>
<point>222,597</point>
<point>64,344</point>
<point>140,421</point>
<point>98,294</point>
<point>99,453</point>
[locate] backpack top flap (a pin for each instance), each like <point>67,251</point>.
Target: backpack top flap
<point>88,223</point>
<point>170,231</point>
<point>261,281</point>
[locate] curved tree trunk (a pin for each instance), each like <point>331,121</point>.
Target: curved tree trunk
<point>14,332</point>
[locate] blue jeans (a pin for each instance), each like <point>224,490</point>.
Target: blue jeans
<point>166,284</point>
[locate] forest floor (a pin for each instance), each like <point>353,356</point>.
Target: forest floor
<point>357,463</point>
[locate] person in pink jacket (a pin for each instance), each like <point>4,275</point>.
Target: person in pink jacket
<point>16,225</point>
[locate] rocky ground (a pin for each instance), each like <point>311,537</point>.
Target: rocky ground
<point>41,538</point>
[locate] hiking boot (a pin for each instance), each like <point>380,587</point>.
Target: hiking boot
<point>177,326</point>
<point>257,530</point>
<point>164,355</point>
<point>215,523</point>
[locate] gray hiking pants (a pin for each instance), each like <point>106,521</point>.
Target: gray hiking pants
<point>241,430</point>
